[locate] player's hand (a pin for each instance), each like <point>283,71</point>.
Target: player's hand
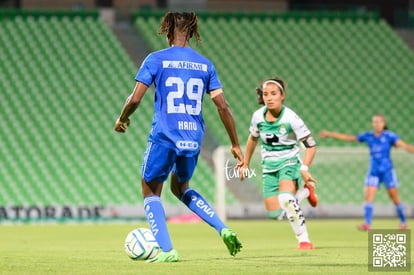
<point>120,126</point>
<point>324,134</point>
<point>243,172</point>
<point>307,178</point>
<point>237,154</point>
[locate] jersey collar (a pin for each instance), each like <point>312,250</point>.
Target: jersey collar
<point>279,117</point>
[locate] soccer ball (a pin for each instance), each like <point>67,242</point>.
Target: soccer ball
<point>140,244</point>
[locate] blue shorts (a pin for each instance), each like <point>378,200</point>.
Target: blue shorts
<point>159,161</point>
<point>389,179</point>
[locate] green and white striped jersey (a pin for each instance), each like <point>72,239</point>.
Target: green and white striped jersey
<point>279,139</point>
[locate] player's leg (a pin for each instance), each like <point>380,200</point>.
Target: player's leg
<point>155,213</point>
<point>270,196</point>
<point>302,194</point>
<point>271,192</point>
<point>180,177</point>
<point>196,203</point>
<point>312,197</point>
<point>393,193</point>
<point>157,164</point>
<point>307,192</point>
<point>391,183</point>
<point>289,179</point>
<point>371,188</point>
<point>370,192</point>
<point>273,209</point>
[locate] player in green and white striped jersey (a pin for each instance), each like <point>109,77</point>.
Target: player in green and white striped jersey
<point>280,129</point>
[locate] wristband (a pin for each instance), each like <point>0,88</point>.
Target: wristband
<point>304,167</point>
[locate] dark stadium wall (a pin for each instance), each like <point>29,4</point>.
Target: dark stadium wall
<point>248,5</point>
<point>64,4</point>
<point>104,3</point>
<point>124,6</point>
<point>395,12</point>
<point>123,9</point>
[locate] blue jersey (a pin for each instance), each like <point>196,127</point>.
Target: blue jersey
<point>181,77</point>
<point>380,150</point>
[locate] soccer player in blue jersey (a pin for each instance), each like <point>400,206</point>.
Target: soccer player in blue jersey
<point>380,142</point>
<point>181,77</point>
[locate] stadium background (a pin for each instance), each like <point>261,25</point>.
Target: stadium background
<point>67,66</point>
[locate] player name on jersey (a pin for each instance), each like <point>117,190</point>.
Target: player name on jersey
<point>187,125</point>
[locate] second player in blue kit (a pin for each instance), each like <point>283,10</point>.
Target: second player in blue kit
<point>380,141</point>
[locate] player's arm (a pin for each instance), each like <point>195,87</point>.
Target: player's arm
<point>131,104</point>
<point>250,146</point>
<point>226,117</point>
<point>338,136</point>
<point>310,151</point>
<point>407,147</point>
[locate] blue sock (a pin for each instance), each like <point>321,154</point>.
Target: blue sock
<point>200,206</point>
<point>156,220</point>
<point>400,211</point>
<point>369,208</point>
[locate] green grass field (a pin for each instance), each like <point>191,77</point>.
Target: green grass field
<point>269,247</point>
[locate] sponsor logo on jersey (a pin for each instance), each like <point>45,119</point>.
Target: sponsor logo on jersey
<point>186,145</point>
<point>176,64</point>
<point>282,129</point>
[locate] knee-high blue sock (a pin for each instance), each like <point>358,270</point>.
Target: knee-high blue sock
<point>369,209</point>
<point>196,203</point>
<point>156,220</point>
<point>401,214</point>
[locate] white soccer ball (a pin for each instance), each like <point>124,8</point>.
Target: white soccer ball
<point>140,244</point>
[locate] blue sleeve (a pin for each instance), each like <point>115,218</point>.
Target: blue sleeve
<point>393,137</point>
<point>214,82</point>
<point>362,137</point>
<point>147,71</point>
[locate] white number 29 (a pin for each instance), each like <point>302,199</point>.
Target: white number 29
<point>193,90</point>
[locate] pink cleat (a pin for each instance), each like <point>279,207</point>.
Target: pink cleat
<point>364,227</point>
<point>313,198</point>
<point>305,246</point>
<point>403,226</point>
